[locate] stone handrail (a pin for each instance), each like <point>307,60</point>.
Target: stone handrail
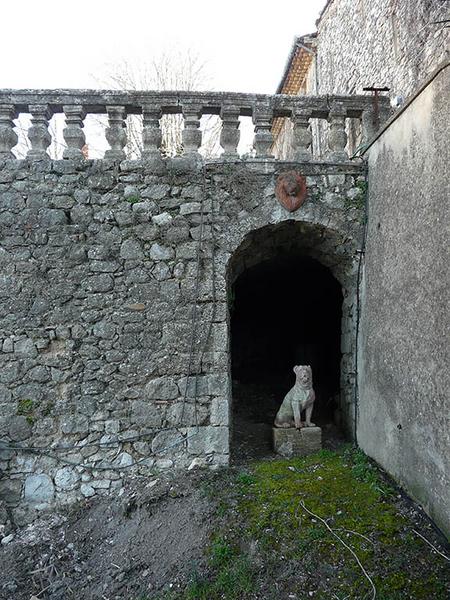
<point>117,105</point>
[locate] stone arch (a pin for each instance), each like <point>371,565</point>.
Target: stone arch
<point>335,253</point>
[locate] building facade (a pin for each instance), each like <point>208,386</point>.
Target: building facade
<point>363,43</point>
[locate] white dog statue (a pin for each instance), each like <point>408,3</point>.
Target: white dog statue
<point>299,398</point>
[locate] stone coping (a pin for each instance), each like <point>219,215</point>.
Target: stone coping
<point>264,166</point>
<point>172,102</point>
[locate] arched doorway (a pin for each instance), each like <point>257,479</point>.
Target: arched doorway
<point>285,309</point>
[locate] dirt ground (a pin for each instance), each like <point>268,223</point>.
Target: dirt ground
<point>149,542</point>
<point>112,548</point>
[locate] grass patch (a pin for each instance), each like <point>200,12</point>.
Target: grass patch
<point>268,546</point>
<point>348,492</point>
<point>234,579</point>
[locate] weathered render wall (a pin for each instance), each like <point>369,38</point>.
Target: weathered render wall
<point>379,42</point>
<point>404,377</point>
<point>99,264</point>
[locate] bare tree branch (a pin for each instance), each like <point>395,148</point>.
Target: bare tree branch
<point>166,71</point>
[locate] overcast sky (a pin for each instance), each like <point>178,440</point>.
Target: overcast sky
<point>60,43</point>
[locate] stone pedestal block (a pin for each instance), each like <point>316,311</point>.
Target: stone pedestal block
<point>296,442</point>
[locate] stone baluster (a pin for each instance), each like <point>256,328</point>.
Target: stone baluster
<point>367,124</point>
<point>192,135</point>
<point>38,133</point>
<point>337,137</point>
<point>116,135</point>
<point>151,132</point>
<point>301,136</point>
<point>230,134</point>
<point>262,119</point>
<point>73,132</point>
<point>8,137</point>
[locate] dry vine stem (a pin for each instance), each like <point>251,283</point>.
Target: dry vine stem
<point>356,533</point>
<point>430,544</point>
<point>374,590</point>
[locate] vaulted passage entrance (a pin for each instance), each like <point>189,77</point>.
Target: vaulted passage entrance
<point>285,310</point>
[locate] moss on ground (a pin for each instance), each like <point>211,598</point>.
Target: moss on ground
<point>268,545</point>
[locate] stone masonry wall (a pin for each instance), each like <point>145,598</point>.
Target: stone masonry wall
<point>100,273</point>
<point>393,43</point>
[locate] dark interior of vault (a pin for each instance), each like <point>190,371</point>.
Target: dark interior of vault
<point>284,311</point>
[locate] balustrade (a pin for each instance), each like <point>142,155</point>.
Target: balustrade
<point>75,105</point>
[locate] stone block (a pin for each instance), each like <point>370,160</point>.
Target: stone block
<point>162,219</point>
<point>8,345</point>
<point>158,252</point>
<point>215,384</point>
<point>40,374</point>
<point>87,490</point>
<point>104,266</point>
<point>131,250</point>
<point>188,416</point>
<point>146,232</point>
<point>220,412</point>
<point>190,208</point>
<point>296,442</point>
<point>75,424</point>
<point>156,191</point>
<point>66,478</point>
<point>5,394</point>
<point>104,330</point>
<point>175,235</point>
<point>170,441</point>
<point>100,484</point>
<point>10,491</point>
<point>164,463</point>
<point>123,460</point>
<point>39,489</point>
<point>206,440</point>
<point>19,428</point>
<point>99,283</point>
<point>161,389</point>
<point>44,426</point>
<point>147,414</point>
<point>26,348</point>
<point>112,426</point>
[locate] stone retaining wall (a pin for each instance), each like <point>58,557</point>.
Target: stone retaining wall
<point>100,273</point>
